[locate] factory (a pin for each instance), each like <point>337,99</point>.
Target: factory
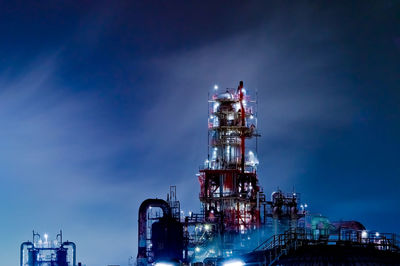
<point>42,251</point>
<point>241,224</point>
<point>238,223</point>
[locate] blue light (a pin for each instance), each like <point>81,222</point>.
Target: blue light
<point>233,263</point>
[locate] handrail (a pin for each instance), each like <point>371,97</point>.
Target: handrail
<point>280,244</point>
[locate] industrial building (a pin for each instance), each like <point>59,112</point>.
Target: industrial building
<point>238,223</point>
<point>42,251</point>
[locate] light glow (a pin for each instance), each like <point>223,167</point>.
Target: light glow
<point>364,234</point>
<point>215,106</point>
<point>163,264</point>
<point>233,263</point>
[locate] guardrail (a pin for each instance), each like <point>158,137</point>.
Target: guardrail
<point>278,245</point>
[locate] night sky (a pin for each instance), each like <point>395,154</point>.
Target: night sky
<point>104,104</point>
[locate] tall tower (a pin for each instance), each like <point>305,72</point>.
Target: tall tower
<point>230,193</point>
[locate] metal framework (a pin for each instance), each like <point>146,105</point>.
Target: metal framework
<point>281,244</point>
<point>236,215</point>
<point>229,190</point>
<point>45,252</point>
<point>234,207</point>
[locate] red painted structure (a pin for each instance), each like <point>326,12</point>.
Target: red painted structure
<point>230,192</point>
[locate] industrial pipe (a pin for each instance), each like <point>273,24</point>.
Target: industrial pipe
<point>72,244</point>
<point>23,245</point>
<point>142,255</point>
<point>243,114</point>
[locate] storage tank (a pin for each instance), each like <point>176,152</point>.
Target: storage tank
<point>167,239</point>
<point>32,257</point>
<point>62,257</point>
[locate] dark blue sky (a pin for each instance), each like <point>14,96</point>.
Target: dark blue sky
<point>104,103</point>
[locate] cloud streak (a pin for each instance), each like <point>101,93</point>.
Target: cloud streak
<point>92,130</point>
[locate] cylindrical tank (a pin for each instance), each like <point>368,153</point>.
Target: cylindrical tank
<point>32,257</point>
<point>62,257</point>
<point>167,239</point>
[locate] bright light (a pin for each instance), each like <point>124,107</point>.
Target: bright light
<point>197,249</point>
<point>377,234</point>
<point>163,264</point>
<point>215,106</point>
<point>364,234</point>
<point>237,106</point>
<point>242,229</point>
<point>46,236</point>
<point>305,205</point>
<point>207,227</point>
<point>215,87</point>
<point>233,263</point>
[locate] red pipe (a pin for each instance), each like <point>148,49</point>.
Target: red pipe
<point>242,137</point>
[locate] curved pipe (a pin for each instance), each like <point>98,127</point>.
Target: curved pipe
<point>142,256</point>
<point>72,244</point>
<point>23,245</point>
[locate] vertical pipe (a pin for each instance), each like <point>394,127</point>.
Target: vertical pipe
<point>258,209</point>
<point>186,225</point>
<point>72,244</point>
<point>243,114</point>
<point>142,255</point>
<point>59,237</point>
<point>238,215</point>
<point>208,131</point>
<point>256,118</point>
<point>22,251</point>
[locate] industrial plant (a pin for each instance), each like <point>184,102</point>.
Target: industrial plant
<point>239,223</point>
<point>42,251</point>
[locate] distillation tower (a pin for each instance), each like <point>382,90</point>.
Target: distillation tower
<point>229,192</point>
<point>235,214</point>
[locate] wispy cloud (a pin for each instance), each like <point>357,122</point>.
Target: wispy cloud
<point>82,159</point>
<point>54,155</point>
